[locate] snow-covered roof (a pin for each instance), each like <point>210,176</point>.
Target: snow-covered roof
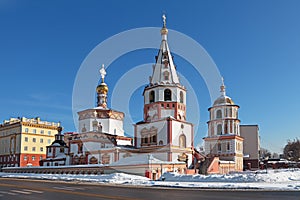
<point>142,159</point>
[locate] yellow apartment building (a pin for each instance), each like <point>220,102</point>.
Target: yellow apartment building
<point>23,141</point>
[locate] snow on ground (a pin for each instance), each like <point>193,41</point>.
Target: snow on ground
<point>286,179</point>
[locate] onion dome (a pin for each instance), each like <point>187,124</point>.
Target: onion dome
<point>102,88</point>
<point>59,138</point>
<point>223,99</point>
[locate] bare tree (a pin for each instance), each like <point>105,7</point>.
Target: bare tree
<point>264,153</point>
<point>291,150</point>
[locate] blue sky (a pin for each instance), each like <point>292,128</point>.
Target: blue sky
<point>255,45</point>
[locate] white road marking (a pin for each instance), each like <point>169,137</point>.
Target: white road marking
<point>10,193</point>
<point>21,192</point>
<point>68,188</point>
<point>34,191</point>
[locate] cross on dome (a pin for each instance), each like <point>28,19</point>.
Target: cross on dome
<point>223,92</point>
<point>102,73</point>
<point>164,20</point>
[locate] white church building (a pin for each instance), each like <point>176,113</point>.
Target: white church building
<point>163,137</point>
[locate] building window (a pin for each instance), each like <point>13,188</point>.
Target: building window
<point>219,147</point>
<point>25,157</point>
<point>80,149</point>
<point>41,157</point>
<point>62,150</point>
<point>181,97</point>
<point>42,131</point>
<point>167,95</point>
<point>228,146</point>
<point>41,149</point>
<point>41,140</point>
<point>26,130</point>
<point>49,150</point>
<point>153,138</point>
<point>33,158</point>
<point>33,148</point>
<point>33,139</point>
<point>182,141</point>
<point>34,130</point>
<point>26,139</point>
<point>49,132</point>
<point>152,97</point>
<point>26,148</point>
<point>115,131</point>
<point>49,141</point>
<point>219,129</point>
<point>219,114</point>
<point>160,142</point>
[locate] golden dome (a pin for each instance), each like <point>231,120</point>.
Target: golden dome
<point>164,31</point>
<point>223,100</point>
<point>102,88</point>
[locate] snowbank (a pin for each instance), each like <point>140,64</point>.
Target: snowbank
<point>117,178</point>
<point>273,180</point>
<point>272,176</point>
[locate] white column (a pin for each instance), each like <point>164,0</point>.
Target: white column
<point>223,126</point>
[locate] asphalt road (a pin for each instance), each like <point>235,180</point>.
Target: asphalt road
<point>21,189</point>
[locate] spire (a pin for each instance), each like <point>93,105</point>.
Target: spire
<point>102,90</point>
<point>223,91</point>
<point>164,70</point>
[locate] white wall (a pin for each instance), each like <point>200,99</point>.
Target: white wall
<point>177,131</point>
<point>161,131</point>
<point>111,126</point>
<point>123,142</point>
<point>167,112</point>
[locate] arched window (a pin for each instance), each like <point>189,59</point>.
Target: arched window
<point>160,142</point>
<point>219,114</point>
<point>167,95</point>
<point>230,112</point>
<point>228,146</point>
<point>219,129</point>
<point>182,141</point>
<point>152,96</point>
<point>181,97</point>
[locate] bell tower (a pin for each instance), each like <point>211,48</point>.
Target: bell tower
<point>164,130</point>
<point>164,96</point>
<point>224,140</point>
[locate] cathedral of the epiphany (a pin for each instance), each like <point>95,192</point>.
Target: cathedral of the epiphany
<point>163,140</point>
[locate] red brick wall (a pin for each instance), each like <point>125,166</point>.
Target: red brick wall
<point>35,162</point>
